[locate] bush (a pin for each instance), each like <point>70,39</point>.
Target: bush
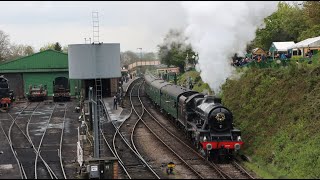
<point>277,112</point>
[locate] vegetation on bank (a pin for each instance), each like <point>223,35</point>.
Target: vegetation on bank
<point>277,111</point>
<point>198,84</point>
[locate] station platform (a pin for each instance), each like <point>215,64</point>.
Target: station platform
<point>120,114</point>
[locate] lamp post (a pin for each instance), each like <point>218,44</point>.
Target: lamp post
<point>140,59</point>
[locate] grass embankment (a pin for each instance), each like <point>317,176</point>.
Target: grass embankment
<point>277,110</point>
<point>278,113</point>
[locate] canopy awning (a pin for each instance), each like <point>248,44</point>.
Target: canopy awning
<point>281,46</point>
<point>310,42</point>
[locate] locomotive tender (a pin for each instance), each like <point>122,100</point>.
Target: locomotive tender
<point>203,118</point>
<point>6,95</point>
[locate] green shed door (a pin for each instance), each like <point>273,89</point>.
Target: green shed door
<point>44,79</point>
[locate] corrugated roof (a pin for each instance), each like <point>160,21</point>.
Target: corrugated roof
<point>310,42</point>
<point>282,46</point>
<point>42,61</point>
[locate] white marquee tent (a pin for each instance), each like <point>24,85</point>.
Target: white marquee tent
<point>308,43</point>
<point>281,46</point>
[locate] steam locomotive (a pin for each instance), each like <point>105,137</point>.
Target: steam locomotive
<point>6,95</point>
<point>37,93</point>
<point>203,119</point>
<point>61,89</point>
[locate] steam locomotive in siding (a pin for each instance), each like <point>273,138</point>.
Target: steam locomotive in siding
<point>6,95</point>
<point>37,93</point>
<point>61,89</point>
<point>204,120</point>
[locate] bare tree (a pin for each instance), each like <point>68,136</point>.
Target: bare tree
<point>128,57</point>
<point>65,49</point>
<point>4,46</point>
<point>19,50</point>
<point>150,56</point>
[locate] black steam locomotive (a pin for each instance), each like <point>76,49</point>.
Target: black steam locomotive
<point>6,95</point>
<point>61,89</point>
<point>203,118</point>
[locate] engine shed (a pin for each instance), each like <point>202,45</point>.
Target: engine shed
<point>41,68</point>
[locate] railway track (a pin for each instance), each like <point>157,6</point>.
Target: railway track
<point>232,170</point>
<point>6,127</point>
<point>21,143</point>
<point>22,131</point>
<point>131,162</point>
<point>195,164</point>
<point>235,170</point>
<point>189,157</point>
<point>50,145</point>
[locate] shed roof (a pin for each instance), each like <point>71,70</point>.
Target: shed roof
<point>45,61</point>
<point>258,51</point>
<point>281,46</point>
<point>310,42</point>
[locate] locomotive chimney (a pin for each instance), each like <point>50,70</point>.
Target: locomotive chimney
<point>216,99</point>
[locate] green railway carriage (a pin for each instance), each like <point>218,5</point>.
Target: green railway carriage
<point>156,87</point>
<point>153,87</point>
<point>151,92</point>
<point>164,94</point>
<point>170,99</point>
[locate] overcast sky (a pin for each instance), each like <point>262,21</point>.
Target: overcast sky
<point>132,24</point>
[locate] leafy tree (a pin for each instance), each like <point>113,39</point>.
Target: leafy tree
<point>175,51</point>
<point>314,31</point>
<point>47,46</point>
<point>192,57</point>
<point>54,46</point>
<point>57,47</point>
<point>285,24</point>
<point>312,12</point>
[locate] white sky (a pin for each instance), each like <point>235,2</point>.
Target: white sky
<point>133,24</point>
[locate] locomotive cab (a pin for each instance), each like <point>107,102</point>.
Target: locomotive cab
<point>6,95</point>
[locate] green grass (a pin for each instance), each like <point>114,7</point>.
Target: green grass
<point>277,111</point>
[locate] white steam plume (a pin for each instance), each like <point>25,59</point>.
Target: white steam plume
<point>219,29</point>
